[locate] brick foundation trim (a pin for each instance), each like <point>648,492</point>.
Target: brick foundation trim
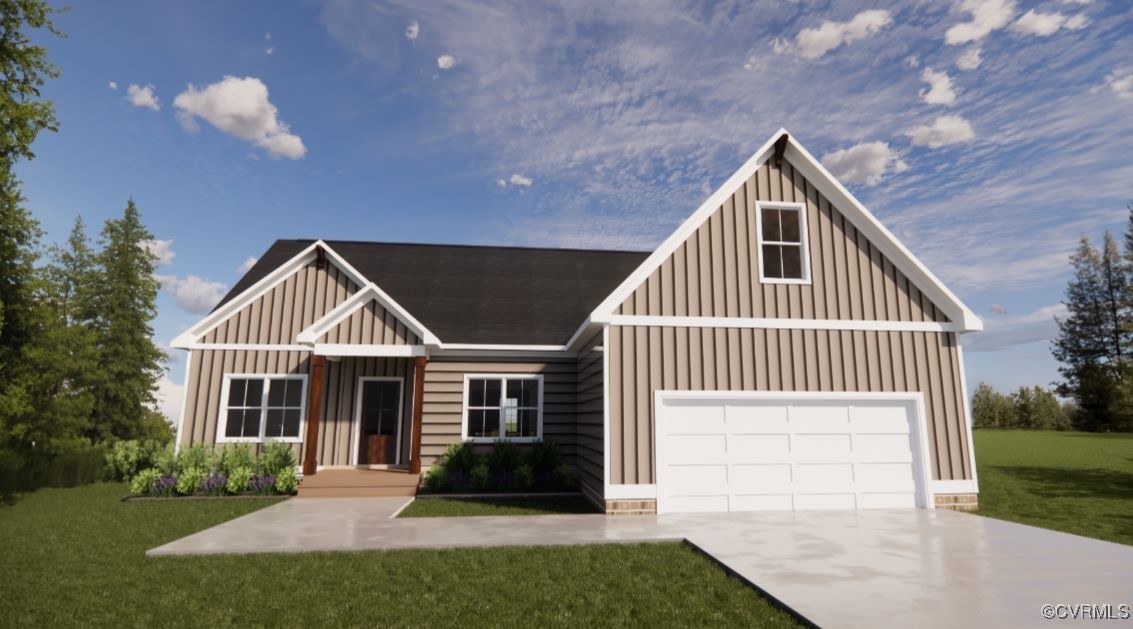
<point>958,502</point>
<point>631,507</point>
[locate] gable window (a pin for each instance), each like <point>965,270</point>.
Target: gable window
<point>784,258</point>
<point>257,408</point>
<point>508,407</point>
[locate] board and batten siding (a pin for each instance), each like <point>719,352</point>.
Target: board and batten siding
<point>443,408</point>
<point>715,273</point>
<point>280,314</point>
<point>646,359</point>
<point>371,324</point>
<point>590,447</point>
<point>338,425</point>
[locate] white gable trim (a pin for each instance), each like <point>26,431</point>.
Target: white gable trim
<point>356,302</point>
<point>850,207</point>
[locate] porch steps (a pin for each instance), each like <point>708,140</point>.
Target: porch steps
<point>358,483</point>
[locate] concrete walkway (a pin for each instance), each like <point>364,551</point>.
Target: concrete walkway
<point>908,567</point>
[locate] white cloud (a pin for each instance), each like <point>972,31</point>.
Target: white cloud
<point>501,183</point>
<point>162,249</point>
<point>812,43</point>
<point>240,107</point>
<point>1010,331</point>
<point>939,90</point>
<point>113,85</point>
<point>413,31</point>
<point>912,62</point>
<point>864,163</point>
<point>943,131</point>
<point>269,50</point>
<point>1080,2</point>
<point>446,62</point>
<point>519,180</point>
<point>247,265</point>
<point>969,59</point>
<point>142,97</point>
<point>986,16</point>
<point>170,396</point>
<point>192,293</point>
<point>1121,82</point>
<point>1044,24</point>
<point>998,309</point>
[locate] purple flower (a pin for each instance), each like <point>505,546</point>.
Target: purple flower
<point>214,485</point>
<point>165,486</point>
<point>262,485</point>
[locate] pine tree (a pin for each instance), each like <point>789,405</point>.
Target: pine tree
<point>129,362</point>
<point>1115,308</point>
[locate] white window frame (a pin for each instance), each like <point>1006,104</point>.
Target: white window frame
<point>222,421</point>
<point>804,245</point>
<point>468,377</point>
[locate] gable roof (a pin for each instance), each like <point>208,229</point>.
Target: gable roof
<point>473,294</point>
<point>852,209</point>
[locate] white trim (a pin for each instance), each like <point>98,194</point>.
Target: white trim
<point>359,300</point>
<point>503,376</point>
<point>222,421</point>
<point>853,210</point>
<point>605,409</point>
<point>471,353</point>
<point>184,403</point>
<point>631,492</point>
<point>954,487</point>
<point>781,324</point>
<point>251,347</point>
<point>926,489</point>
<point>803,244</point>
<point>503,347</point>
<point>356,437</point>
<point>395,351</point>
<point>967,417</point>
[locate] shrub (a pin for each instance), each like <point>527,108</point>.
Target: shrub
<point>287,481</point>
<point>144,482</point>
<point>189,481</point>
<point>543,457</point>
<point>276,457</point>
<point>504,458</point>
<point>237,456</point>
<point>564,477</point>
<point>262,485</point>
<point>127,458</point>
<point>524,477</point>
<point>460,457</point>
<point>196,457</point>
<point>436,479</point>
<point>239,479</point>
<point>165,486</point>
<point>480,477</point>
<point>166,461</point>
<point>214,485</point>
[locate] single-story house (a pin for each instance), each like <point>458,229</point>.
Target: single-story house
<point>780,350</point>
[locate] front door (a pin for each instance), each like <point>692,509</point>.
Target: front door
<point>380,418</point>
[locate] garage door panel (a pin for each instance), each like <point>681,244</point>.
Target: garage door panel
<point>755,417</point>
<point>818,418</point>
<point>886,501</point>
<point>806,501</point>
<point>882,472</point>
<point>882,447</point>
<point>760,476</point>
<point>752,447</point>
<point>698,504</point>
<point>686,418</point>
<point>819,473</point>
<point>880,418</point>
<point>763,502</point>
<point>697,479</point>
<point>697,448</point>
<point>822,443</point>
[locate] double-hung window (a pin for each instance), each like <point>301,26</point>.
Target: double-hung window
<point>262,407</point>
<point>503,407</point>
<point>783,258</point>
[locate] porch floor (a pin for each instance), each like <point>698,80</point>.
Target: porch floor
<point>358,482</point>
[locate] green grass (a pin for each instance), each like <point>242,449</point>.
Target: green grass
<point>509,505</point>
<point>75,557</point>
<point>1080,483</point>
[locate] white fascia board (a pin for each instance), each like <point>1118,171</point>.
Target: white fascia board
<point>395,351</point>
<point>335,316</point>
<point>781,324</point>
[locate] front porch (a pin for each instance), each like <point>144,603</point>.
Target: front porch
<point>359,483</point>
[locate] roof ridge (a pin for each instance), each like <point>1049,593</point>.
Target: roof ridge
<point>332,242</point>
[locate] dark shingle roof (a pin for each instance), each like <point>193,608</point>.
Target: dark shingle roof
<point>474,294</point>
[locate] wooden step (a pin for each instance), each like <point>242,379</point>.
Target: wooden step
<point>360,482</point>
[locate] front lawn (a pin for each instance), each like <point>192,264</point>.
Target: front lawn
<point>504,505</point>
<point>76,557</point>
<point>1075,482</point>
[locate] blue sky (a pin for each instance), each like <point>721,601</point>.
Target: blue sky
<point>987,134</point>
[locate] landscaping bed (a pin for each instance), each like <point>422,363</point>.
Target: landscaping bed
<point>453,506</point>
<point>504,469</point>
<point>155,471</point>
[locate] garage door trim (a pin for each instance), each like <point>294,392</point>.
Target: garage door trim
<point>922,471</point>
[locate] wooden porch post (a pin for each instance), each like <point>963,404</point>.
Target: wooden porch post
<point>418,412</point>
<point>314,409</point>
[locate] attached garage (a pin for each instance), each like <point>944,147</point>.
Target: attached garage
<point>732,451</point>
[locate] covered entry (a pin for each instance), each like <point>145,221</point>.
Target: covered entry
<point>733,451</point>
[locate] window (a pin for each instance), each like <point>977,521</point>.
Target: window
<point>503,407</point>
<point>783,243</point>
<point>262,407</point>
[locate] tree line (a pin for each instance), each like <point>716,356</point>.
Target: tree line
<point>1030,408</point>
<point>78,365</point>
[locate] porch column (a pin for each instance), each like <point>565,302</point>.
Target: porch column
<point>418,411</point>
<point>314,409</point>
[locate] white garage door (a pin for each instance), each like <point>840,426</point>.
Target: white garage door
<point>758,452</point>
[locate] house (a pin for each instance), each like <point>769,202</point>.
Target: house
<point>780,350</point>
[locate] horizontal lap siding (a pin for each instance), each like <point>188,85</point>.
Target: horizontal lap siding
<point>590,408</point>
<point>337,427</point>
<point>280,314</point>
<point>371,325</point>
<point>706,359</point>
<point>715,273</point>
<point>444,400</point>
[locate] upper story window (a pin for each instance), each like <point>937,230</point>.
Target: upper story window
<point>262,407</point>
<point>784,257</point>
<point>506,407</point>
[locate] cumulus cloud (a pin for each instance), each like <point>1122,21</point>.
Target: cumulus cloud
<point>142,97</point>
<point>247,265</point>
<point>970,59</point>
<point>162,250</point>
<point>516,179</point>
<point>939,91</point>
<point>1121,82</point>
<point>864,163</point>
<point>998,309</point>
<point>1005,332</point>
<point>413,31</point>
<point>812,43</point>
<point>912,62</point>
<point>986,16</point>
<point>113,85</point>
<point>943,131</point>
<point>446,62</point>
<point>192,294</point>
<point>169,398</point>
<point>240,107</point>
<point>1044,24</point>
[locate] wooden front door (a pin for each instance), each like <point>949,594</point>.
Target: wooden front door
<point>380,418</point>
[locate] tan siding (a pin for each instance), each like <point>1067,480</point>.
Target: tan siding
<point>784,361</point>
<point>715,273</point>
<point>589,401</point>
<point>370,324</point>
<point>337,428</point>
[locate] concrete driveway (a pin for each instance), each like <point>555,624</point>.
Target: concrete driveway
<point>922,568</point>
